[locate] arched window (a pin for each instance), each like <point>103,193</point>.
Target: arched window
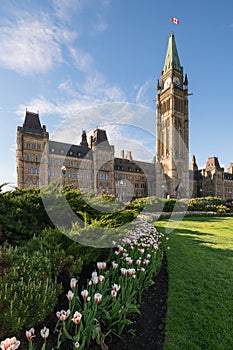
<point>29,182</point>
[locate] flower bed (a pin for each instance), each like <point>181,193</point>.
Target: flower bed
<point>113,292</point>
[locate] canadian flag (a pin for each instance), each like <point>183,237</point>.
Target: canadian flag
<point>175,20</point>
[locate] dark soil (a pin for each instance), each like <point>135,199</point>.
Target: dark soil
<point>149,326</point>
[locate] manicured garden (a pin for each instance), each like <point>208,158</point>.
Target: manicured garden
<point>105,285</point>
<point>56,293</point>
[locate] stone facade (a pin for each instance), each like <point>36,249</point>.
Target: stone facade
<point>89,166</point>
<point>92,166</point>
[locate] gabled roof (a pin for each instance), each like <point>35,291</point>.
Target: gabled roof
<point>100,138</point>
<point>32,123</point>
<point>65,149</point>
<point>172,58</point>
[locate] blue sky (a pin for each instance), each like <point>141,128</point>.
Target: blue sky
<point>65,58</point>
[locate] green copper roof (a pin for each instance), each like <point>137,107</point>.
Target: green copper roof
<point>171,56</point>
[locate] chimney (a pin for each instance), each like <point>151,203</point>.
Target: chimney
<point>122,154</point>
<point>129,155</point>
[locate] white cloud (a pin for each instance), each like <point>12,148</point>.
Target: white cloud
<point>32,44</point>
<point>81,59</point>
<point>64,9</point>
<point>96,86</point>
<point>99,26</point>
<point>142,93</point>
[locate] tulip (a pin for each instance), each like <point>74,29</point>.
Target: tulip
<point>101,265</point>
<point>77,317</point>
<point>94,275</point>
<point>131,272</point>
<point>101,278</point>
<point>73,283</point>
<point>70,295</point>
<point>97,297</point>
<point>114,265</point>
<point>44,333</point>
<point>123,271</point>
<point>116,287</point>
<point>30,334</point>
<point>63,315</point>
<point>84,293</point>
<point>10,344</point>
<point>113,293</point>
<point>95,280</point>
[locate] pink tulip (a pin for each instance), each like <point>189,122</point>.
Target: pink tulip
<point>114,265</point>
<point>97,297</point>
<point>116,287</point>
<point>113,293</point>
<point>63,315</point>
<point>73,283</point>
<point>44,333</point>
<point>102,279</point>
<point>84,293</point>
<point>30,334</point>
<point>70,295</point>
<point>10,344</point>
<point>77,317</point>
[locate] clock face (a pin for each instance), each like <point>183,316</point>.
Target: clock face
<point>176,80</point>
<point>167,83</point>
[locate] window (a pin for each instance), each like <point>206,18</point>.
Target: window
<point>89,176</point>
<point>72,174</point>
<point>70,163</point>
<point>39,147</point>
<point>48,172</point>
<point>34,170</point>
<point>37,159</point>
<point>116,176</point>
<point>29,169</point>
<point>79,175</point>
<point>53,172</point>
<point>28,145</point>
<point>101,176</point>
<point>106,176</point>
<point>33,146</point>
<point>29,182</point>
<point>30,158</point>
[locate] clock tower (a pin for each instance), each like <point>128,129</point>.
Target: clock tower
<point>172,123</point>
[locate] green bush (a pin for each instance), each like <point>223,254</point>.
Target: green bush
<point>28,290</point>
<point>204,204</point>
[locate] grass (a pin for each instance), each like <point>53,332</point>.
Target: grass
<point>200,295</point>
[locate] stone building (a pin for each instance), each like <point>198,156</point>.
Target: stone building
<point>92,166</point>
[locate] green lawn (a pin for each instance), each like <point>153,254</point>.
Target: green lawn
<point>200,296</point>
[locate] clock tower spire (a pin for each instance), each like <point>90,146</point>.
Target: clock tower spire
<point>172,123</point>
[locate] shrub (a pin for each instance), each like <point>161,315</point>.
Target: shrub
<point>28,292</point>
<point>204,204</point>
